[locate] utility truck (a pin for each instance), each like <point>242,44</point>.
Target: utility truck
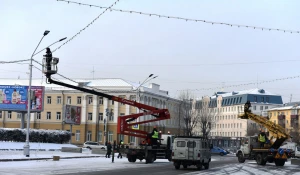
<point>271,151</point>
<point>146,150</point>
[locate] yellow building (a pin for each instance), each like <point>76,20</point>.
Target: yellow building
<point>93,109</point>
<point>286,116</point>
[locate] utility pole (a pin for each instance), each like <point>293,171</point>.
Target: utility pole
<point>291,98</point>
<point>26,147</point>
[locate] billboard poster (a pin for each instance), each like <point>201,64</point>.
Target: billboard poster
<point>15,98</point>
<point>72,115</point>
<point>136,126</point>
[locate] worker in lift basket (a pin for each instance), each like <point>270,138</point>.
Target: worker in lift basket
<point>262,138</point>
<point>154,135</point>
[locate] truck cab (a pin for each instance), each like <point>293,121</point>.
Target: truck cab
<point>189,151</point>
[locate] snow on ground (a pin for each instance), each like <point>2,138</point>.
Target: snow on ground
<point>64,166</point>
<point>251,168</point>
<point>19,145</point>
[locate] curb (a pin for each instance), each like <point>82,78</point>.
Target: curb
<point>28,159</point>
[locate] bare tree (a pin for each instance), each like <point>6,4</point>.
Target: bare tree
<point>187,113</point>
<point>252,129</point>
<point>206,117</point>
<point>295,134</point>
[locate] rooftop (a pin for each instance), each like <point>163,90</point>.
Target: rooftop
<point>255,91</point>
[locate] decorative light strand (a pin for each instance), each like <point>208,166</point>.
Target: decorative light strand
<point>16,61</point>
<point>86,26</point>
<point>185,19</point>
<point>244,84</point>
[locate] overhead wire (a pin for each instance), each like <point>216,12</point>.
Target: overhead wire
<point>244,84</point>
<point>185,19</point>
<point>15,61</point>
<point>85,26</point>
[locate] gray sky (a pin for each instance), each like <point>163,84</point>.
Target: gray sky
<point>185,55</point>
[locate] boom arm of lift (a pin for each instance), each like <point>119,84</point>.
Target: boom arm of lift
<point>124,122</point>
<point>277,131</point>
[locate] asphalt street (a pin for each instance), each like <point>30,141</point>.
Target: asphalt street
<point>162,168</point>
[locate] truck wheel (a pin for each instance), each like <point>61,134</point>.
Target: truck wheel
<point>133,159</point>
<point>206,165</point>
<point>185,166</point>
<point>199,166</point>
<point>260,160</point>
<point>170,159</point>
<point>241,158</point>
<point>177,165</point>
<point>279,162</point>
<point>150,158</point>
<point>221,154</point>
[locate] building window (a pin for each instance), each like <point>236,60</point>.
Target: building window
<point>19,115</point>
<point>131,139</point>
<point>99,136</point>
<point>262,99</point>
<point>58,115</point>
<point>78,100</point>
<point>90,116</point>
<point>111,117</point>
<point>9,114</point>
<point>89,136</point>
<point>254,108</point>
<point>69,100</point>
<point>240,99</point>
<point>100,117</point>
<point>58,101</point>
<point>121,137</point>
<point>90,100</point>
<point>266,107</point>
<point>48,100</point>
<point>38,116</point>
<point>267,99</point>
<point>110,136</point>
<point>48,115</point>
<point>77,135</point>
<point>240,125</point>
<point>100,100</point>
<point>112,102</point>
<point>261,108</point>
<point>0,114</point>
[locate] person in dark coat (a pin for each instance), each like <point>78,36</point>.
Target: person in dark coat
<point>108,151</point>
<point>121,145</point>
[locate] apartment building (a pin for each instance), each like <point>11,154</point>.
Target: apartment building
<point>287,116</point>
<point>93,109</point>
<point>227,128</point>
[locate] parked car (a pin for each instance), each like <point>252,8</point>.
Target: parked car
<point>91,145</point>
<point>217,150</point>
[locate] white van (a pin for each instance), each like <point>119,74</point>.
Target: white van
<point>189,151</point>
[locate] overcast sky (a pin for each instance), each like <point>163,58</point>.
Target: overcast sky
<point>184,55</point>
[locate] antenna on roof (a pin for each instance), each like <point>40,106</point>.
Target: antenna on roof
<point>291,98</point>
<point>257,81</point>
<point>93,72</point>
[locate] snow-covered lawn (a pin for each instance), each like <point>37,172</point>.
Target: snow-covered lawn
<point>19,145</point>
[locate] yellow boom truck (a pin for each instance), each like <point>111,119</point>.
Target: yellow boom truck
<point>271,151</point>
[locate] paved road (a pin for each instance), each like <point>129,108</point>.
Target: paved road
<point>162,168</point>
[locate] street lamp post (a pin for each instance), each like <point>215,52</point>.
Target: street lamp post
<point>109,113</point>
<point>26,146</point>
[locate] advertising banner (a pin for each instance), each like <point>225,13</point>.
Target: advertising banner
<point>136,126</point>
<point>15,98</point>
<point>72,115</point>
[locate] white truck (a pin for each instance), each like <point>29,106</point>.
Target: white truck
<point>189,151</point>
<point>292,146</point>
